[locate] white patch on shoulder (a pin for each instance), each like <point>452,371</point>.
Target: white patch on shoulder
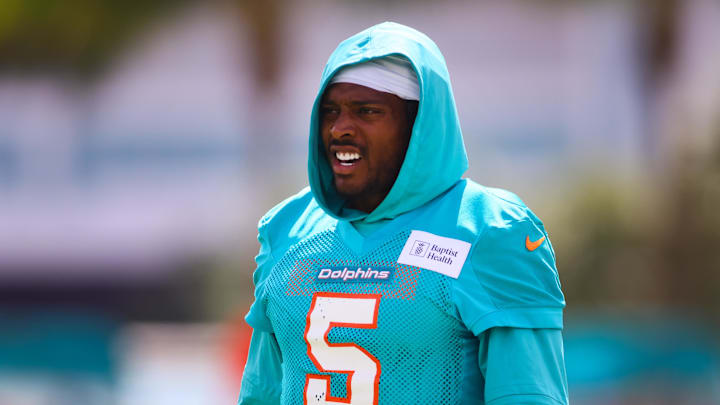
<point>437,253</point>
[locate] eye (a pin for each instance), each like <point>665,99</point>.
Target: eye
<point>369,111</point>
<point>329,110</point>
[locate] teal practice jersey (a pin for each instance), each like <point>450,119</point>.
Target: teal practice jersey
<point>356,322</point>
<point>397,306</point>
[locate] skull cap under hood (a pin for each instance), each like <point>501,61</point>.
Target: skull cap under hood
<point>436,157</point>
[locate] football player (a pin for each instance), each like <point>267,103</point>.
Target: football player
<point>391,279</point>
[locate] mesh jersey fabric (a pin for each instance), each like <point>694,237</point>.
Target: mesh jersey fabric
<point>515,358</point>
<point>413,303</point>
<point>428,323</point>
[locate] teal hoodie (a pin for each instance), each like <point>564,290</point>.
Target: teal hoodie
<point>435,159</point>
<point>495,319</point>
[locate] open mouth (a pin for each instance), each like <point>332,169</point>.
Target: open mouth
<point>347,158</point>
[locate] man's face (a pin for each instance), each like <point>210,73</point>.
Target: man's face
<point>365,133</point>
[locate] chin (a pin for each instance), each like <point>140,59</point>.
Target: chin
<point>348,190</point>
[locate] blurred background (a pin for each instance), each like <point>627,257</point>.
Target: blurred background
<point>140,142</point>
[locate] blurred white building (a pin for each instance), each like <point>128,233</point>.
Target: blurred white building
<point>176,152</point>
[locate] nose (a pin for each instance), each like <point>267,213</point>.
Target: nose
<point>342,126</point>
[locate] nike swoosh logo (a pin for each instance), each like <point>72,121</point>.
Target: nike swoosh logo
<point>533,245</point>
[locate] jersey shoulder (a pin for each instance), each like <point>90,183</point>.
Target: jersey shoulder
<point>293,219</point>
<point>512,261</point>
<point>494,207</point>
<point>503,222</point>
<point>469,211</point>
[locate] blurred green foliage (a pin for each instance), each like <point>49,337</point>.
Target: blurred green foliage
<point>605,246</point>
<point>690,247</point>
<point>81,37</point>
<point>77,37</point>
<point>650,244</point>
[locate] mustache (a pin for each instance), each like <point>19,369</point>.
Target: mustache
<point>346,142</point>
<point>336,142</point>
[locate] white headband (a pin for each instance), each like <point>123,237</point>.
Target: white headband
<point>389,74</point>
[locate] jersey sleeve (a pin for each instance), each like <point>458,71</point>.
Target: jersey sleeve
<point>257,317</point>
<point>512,280</point>
<point>523,366</point>
<point>262,378</point>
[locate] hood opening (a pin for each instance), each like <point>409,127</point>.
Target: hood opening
<point>435,158</point>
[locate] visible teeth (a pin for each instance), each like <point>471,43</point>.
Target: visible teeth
<point>346,156</point>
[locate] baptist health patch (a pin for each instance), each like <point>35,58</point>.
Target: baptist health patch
<point>437,253</point>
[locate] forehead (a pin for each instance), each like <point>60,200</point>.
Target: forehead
<point>354,93</point>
